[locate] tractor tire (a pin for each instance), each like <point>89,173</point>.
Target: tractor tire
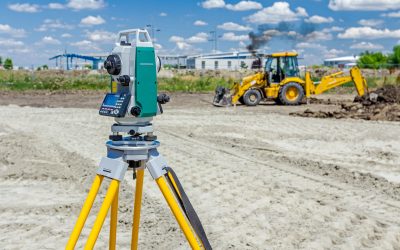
<point>241,100</point>
<point>291,93</point>
<point>252,97</point>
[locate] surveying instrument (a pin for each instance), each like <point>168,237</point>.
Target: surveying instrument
<point>133,101</point>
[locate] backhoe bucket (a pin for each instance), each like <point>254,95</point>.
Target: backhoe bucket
<point>222,97</point>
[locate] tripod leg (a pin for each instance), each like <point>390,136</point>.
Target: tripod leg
<point>136,212</point>
<point>176,210</point>
<point>84,212</point>
<point>113,222</point>
<point>111,192</point>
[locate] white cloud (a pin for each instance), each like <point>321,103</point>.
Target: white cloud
<point>85,45</point>
<point>56,6</point>
<point>332,29</point>
<point>319,19</point>
<point>200,23</point>
<point>233,26</point>
<point>101,36</point>
<point>24,7</point>
<point>10,43</point>
<point>323,50</point>
<point>368,33</point>
<point>181,42</point>
<point>50,40</point>
<point>211,4</point>
<point>366,46</point>
<point>158,46</point>
<point>163,14</point>
<point>81,43</point>
<point>201,37</point>
<point>92,20</point>
<point>366,5</point>
<point>244,6</point>
<point>183,46</point>
<point>307,45</point>
<point>278,12</point>
<point>7,29</point>
<point>319,36</point>
<point>50,24</point>
<point>230,36</point>
<point>85,4</point>
<point>176,39</point>
<point>333,53</point>
<point>370,22</point>
<point>66,35</point>
<point>392,14</point>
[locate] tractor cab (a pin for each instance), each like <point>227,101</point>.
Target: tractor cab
<point>281,65</point>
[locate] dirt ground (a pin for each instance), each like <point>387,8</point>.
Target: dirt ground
<point>257,177</point>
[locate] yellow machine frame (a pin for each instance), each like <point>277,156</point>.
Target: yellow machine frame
<point>269,90</point>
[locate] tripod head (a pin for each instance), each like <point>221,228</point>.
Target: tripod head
<point>133,66</point>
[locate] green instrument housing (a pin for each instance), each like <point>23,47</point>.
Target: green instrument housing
<point>146,81</point>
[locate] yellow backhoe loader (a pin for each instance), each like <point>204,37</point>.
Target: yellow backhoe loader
<point>281,82</point>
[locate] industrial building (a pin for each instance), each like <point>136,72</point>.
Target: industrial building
<point>70,61</point>
<point>173,61</point>
<point>223,61</point>
<point>342,62</point>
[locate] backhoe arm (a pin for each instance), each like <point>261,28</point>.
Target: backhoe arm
<point>335,80</point>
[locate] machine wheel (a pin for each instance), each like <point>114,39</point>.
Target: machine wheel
<point>291,94</point>
<point>241,101</point>
<point>252,97</point>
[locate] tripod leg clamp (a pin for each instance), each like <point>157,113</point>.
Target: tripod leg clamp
<point>112,168</point>
<point>156,164</point>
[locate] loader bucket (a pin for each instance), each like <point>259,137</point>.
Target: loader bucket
<point>222,97</point>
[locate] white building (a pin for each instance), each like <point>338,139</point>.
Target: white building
<point>342,62</point>
<point>226,61</point>
<point>173,61</point>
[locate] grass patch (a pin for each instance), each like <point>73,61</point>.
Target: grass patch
<point>82,80</point>
<point>52,80</point>
<point>193,84</point>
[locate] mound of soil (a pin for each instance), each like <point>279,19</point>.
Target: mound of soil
<point>381,104</point>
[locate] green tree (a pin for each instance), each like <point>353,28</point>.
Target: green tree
<point>395,57</point>
<point>1,61</point>
<point>45,67</point>
<point>87,66</point>
<point>8,63</point>
<point>372,60</point>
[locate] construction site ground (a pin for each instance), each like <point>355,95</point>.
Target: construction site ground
<point>258,177</point>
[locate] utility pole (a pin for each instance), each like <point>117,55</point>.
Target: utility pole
<point>214,39</point>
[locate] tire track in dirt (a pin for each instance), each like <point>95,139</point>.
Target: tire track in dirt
<point>372,215</point>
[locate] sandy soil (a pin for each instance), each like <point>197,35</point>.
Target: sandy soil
<point>258,178</point>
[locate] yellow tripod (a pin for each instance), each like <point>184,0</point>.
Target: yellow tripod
<point>137,154</point>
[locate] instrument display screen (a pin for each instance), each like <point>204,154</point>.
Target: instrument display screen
<point>111,100</point>
<point>115,104</point>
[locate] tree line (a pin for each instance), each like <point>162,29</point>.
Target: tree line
<point>8,63</point>
<point>377,60</point>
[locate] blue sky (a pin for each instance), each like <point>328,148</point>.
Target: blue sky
<point>33,31</point>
